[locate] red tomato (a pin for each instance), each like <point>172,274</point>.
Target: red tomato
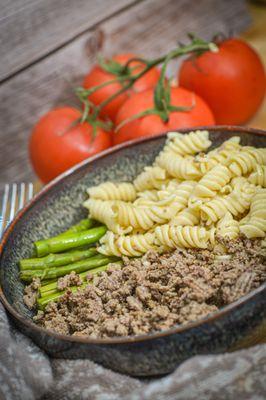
<point>57,144</point>
<point>231,81</point>
<point>150,125</point>
<point>98,76</point>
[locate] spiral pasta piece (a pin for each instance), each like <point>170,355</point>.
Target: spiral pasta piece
<point>219,155</point>
<point>188,216</point>
<point>113,191</point>
<point>258,177</point>
<point>254,227</point>
<point>212,182</point>
<point>245,161</point>
<point>130,246</point>
<point>162,202</point>
<point>150,178</point>
<point>179,197</point>
<point>235,202</point>
<point>172,237</point>
<point>169,188</point>
<point>228,227</point>
<point>185,199</point>
<point>178,167</point>
<point>138,217</point>
<point>233,143</point>
<point>102,211</point>
<point>189,144</point>
<point>258,204</point>
<point>151,194</point>
<point>238,182</point>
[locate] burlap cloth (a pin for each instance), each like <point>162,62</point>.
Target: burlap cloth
<point>27,373</point>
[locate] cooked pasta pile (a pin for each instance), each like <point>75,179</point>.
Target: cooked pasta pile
<point>185,199</point>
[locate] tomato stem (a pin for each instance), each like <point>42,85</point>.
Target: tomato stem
<point>124,75</point>
<point>195,46</point>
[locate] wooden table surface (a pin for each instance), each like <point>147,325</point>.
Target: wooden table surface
<point>46,47</point>
<point>256,36</point>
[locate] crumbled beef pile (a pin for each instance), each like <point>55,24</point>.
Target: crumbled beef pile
<point>158,291</point>
<point>31,293</point>
<point>72,279</point>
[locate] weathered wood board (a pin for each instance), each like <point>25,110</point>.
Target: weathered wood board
<point>149,27</point>
<point>30,29</point>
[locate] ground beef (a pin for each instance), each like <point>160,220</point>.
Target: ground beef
<point>158,291</point>
<point>31,293</point>
<point>71,279</point>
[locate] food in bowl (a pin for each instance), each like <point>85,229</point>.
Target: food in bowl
<point>184,239</point>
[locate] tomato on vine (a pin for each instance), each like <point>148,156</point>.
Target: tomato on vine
<point>232,81</point>
<point>59,140</point>
<point>66,136</point>
<point>197,113</point>
<point>112,71</point>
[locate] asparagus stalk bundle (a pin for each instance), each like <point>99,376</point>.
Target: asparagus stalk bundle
<point>43,301</point>
<point>80,266</point>
<point>49,265</point>
<point>51,293</point>
<point>51,287</point>
<point>81,226</point>
<point>69,241</point>
<point>56,260</point>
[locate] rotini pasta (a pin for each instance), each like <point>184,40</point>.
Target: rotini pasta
<point>183,236</point>
<point>130,246</point>
<point>168,189</point>
<point>253,228</point>
<point>179,197</point>
<point>162,202</point>
<point>235,202</point>
<point>130,215</point>
<point>186,199</point>
<point>102,211</point>
<point>258,177</point>
<point>113,191</point>
<point>212,182</point>
<point>150,178</point>
<point>190,144</point>
<point>178,167</point>
<point>188,216</point>
<point>228,227</point>
<point>258,204</point>
<point>218,156</point>
<point>151,194</point>
<point>246,160</point>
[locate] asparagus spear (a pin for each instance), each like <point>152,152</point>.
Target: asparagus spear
<point>43,301</point>
<point>69,241</point>
<point>81,226</point>
<point>80,266</point>
<point>52,287</point>
<point>56,260</point>
<point>47,281</point>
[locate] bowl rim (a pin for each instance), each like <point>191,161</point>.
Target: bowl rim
<point>124,339</point>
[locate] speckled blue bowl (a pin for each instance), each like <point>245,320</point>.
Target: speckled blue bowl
<point>58,206</point>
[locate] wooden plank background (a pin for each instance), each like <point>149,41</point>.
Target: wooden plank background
<point>47,46</point>
<point>30,29</point>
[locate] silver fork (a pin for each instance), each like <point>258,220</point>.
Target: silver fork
<point>15,196</point>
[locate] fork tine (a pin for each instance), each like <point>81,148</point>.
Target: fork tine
<point>21,196</point>
<point>4,208</point>
<point>30,191</point>
<point>13,202</point>
<point>14,198</point>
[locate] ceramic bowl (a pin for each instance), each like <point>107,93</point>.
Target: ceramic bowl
<point>58,206</point>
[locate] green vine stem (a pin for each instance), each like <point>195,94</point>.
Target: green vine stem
<point>124,75</point>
